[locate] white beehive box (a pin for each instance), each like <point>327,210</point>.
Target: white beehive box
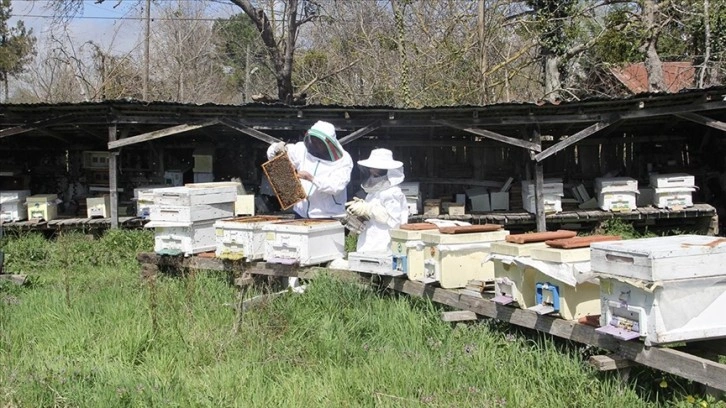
<point>304,241</point>
<point>242,237</point>
<point>661,258</point>
<point>479,199</point>
<point>193,213</point>
<point>42,206</point>
<point>552,203</point>
<point>144,197</point>
<point>553,296</point>
<point>8,196</point>
<point>617,201</point>
<point>672,180</point>
<point>673,197</point>
<point>13,211</point>
<point>513,282</point>
<point>189,196</point>
<point>379,263</point>
<point>412,191</point>
<point>455,259</point>
<point>98,206</point>
<point>615,184</point>
<point>672,311</point>
<point>408,256</point>
<point>175,238</point>
<point>244,205</point>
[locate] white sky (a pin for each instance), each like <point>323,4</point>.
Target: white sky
<point>116,29</point>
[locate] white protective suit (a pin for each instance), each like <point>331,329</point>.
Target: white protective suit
<point>326,194</point>
<point>383,191</point>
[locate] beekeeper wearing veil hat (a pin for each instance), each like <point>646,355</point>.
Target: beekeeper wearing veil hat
<point>385,204</point>
<point>323,168</point>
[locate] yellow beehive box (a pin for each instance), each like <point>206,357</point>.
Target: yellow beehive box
<point>455,259</point>
<point>98,207</point>
<point>513,281</point>
<point>553,296</point>
<point>408,255</point>
<point>42,206</point>
<point>570,302</point>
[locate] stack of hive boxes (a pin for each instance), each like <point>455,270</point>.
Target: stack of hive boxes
<point>616,193</point>
<point>672,190</point>
<point>12,205</point>
<point>183,217</point>
<point>552,190</point>
<point>412,192</point>
<point>662,290</point>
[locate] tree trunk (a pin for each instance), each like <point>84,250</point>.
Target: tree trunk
<point>405,88</point>
<point>653,64</point>
<point>706,45</point>
<point>484,61</point>
<point>552,80</point>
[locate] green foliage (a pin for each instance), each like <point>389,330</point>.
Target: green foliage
<point>17,43</point>
<point>351,241</point>
<point>617,46</point>
<point>235,37</point>
<point>626,230</point>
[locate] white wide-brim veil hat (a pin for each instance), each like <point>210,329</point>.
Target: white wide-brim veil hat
<point>381,159</point>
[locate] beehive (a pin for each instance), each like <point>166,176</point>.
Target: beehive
<point>13,211</point>
<point>304,242</point>
<point>455,259</point>
<point>408,255</point>
<point>98,206</point>
<point>513,281</point>
<point>555,296</point>
<point>379,263</point>
<point>284,180</point>
<point>241,237</point>
<point>187,238</point>
<point>42,206</point>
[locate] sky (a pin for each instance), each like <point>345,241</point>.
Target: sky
<point>118,29</point>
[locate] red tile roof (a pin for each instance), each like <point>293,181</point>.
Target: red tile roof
<point>677,75</point>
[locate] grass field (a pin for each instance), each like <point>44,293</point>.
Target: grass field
<point>88,332</point>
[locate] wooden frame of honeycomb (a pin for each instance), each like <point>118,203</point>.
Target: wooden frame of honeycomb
<point>284,181</point>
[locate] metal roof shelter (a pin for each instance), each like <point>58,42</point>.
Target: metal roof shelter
<point>541,129</point>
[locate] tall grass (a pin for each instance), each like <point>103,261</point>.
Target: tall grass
<point>336,345</point>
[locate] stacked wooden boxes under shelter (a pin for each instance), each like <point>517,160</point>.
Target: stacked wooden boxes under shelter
<point>42,206</point>
<point>616,193</point>
<point>672,190</point>
<point>662,290</point>
<point>12,205</point>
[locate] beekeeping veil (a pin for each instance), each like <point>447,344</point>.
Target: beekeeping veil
<point>320,141</point>
<point>380,171</point>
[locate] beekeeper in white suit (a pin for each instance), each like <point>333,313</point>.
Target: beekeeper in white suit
<point>385,204</point>
<point>324,170</point>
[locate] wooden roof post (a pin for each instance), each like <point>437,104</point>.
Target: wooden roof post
<point>112,180</point>
<point>539,185</point>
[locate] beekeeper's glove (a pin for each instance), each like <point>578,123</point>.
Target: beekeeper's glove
<point>361,208</point>
<point>278,148</point>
